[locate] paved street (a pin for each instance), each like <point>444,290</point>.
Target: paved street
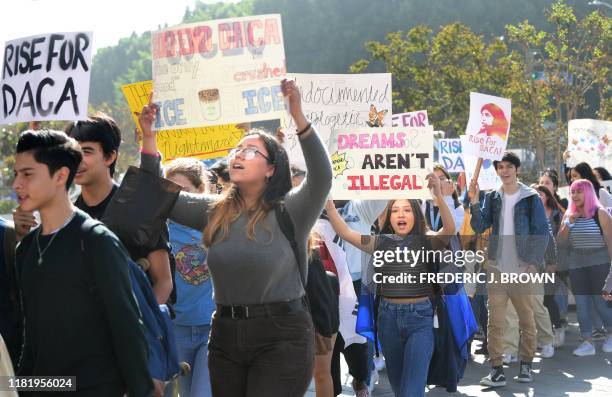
<point>563,375</point>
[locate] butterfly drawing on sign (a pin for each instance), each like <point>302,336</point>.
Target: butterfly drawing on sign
<point>375,117</point>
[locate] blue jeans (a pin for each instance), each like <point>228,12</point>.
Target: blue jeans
<point>407,340</point>
<point>192,345</point>
<point>587,283</point>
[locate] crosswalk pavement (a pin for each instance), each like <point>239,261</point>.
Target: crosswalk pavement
<point>564,375</point>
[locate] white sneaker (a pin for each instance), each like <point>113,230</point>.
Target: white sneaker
<point>585,349</point>
<point>373,380</point>
<point>547,351</point>
<point>509,358</point>
<point>379,363</point>
<point>559,337</point>
<point>607,346</point>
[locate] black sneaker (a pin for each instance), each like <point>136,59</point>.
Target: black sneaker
<point>525,375</point>
<point>496,378</point>
<point>599,334</point>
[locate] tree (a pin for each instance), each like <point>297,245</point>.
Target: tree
<point>437,72</point>
<point>575,62</point>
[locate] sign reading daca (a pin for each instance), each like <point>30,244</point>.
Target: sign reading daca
<point>46,77</point>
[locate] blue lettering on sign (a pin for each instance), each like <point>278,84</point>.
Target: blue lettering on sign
<point>453,164</point>
<point>263,100</point>
<point>170,113</point>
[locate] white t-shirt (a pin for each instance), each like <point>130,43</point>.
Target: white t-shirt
<point>605,198</point>
<point>508,260</point>
<point>508,203</point>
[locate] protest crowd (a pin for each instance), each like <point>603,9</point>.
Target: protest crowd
<point>298,248</point>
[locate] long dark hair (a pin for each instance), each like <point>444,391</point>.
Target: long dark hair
<point>419,228</point>
<point>554,177</point>
<point>441,168</point>
<point>603,173</point>
<point>586,172</point>
<point>231,205</point>
<point>550,199</point>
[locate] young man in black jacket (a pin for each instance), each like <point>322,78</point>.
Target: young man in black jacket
<point>81,317</point>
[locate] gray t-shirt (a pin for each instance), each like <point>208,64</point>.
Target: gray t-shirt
<point>263,270</point>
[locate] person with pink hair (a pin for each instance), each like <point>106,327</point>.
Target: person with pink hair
<point>493,121</point>
<point>587,228</point>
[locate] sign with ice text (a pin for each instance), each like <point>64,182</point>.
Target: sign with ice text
<point>201,143</point>
<point>219,72</point>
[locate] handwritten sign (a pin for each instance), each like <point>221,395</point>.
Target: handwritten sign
<point>590,141</point>
<point>381,163</point>
<point>339,101</point>
<point>410,119</point>
<point>488,178</point>
<point>488,127</point>
<point>46,77</point>
<point>221,71</point>
<point>202,143</point>
<point>449,152</point>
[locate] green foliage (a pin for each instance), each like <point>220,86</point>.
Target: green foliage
<point>7,206</point>
<point>548,75</point>
<point>438,71</point>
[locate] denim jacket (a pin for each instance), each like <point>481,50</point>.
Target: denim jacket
<point>531,227</point>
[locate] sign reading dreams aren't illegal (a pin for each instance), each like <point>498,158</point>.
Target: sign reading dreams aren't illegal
<point>381,163</point>
<point>46,77</point>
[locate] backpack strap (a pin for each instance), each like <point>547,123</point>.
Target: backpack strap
<point>9,243</point>
<point>86,227</point>
<point>596,218</point>
<point>286,226</point>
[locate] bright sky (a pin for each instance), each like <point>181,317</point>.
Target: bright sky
<point>110,20</point>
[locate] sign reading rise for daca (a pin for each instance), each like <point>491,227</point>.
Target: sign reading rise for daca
<point>381,163</point>
<point>219,72</point>
<point>46,77</point>
<point>488,127</point>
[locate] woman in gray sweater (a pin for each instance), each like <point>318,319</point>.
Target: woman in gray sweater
<point>261,341</point>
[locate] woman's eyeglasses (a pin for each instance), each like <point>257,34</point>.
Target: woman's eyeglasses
<point>248,153</point>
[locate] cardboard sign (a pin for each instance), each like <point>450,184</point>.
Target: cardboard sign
<point>488,127</point>
<point>590,141</point>
<point>381,163</point>
<point>488,178</point>
<point>339,102</point>
<point>46,77</point>
<point>410,119</point>
<point>201,143</point>
<point>449,155</point>
<point>219,72</point>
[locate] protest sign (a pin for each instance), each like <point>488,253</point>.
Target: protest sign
<point>339,101</point>
<point>46,77</point>
<point>488,178</point>
<point>219,72</point>
<point>488,127</point>
<point>607,185</point>
<point>381,163</point>
<point>590,141</point>
<point>201,143</point>
<point>449,155</point>
<point>410,119</point>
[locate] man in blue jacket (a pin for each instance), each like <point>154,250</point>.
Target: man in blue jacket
<point>518,240</point>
